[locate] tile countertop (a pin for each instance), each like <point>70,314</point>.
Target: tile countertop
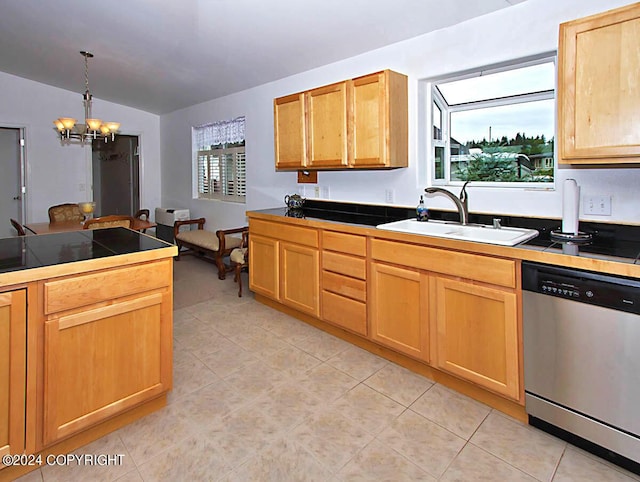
<point>24,253</point>
<point>615,248</point>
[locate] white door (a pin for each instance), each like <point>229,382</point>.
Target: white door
<point>10,180</point>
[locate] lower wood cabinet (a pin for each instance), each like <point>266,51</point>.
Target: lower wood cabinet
<point>13,348</point>
<point>282,270</point>
<point>299,277</point>
<point>101,361</point>
<point>399,309</point>
<point>456,311</point>
<point>344,281</point>
<point>477,334</point>
<point>263,266</point>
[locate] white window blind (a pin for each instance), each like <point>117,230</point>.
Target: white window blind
<point>221,162</point>
<point>222,174</point>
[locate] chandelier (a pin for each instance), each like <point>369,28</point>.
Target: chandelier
<point>69,129</point>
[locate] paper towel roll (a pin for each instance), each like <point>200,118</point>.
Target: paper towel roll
<point>570,206</point>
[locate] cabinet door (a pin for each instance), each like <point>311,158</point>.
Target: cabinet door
<point>263,266</point>
<point>101,361</point>
<point>290,131</point>
<point>477,334</point>
<point>369,126</point>
<point>13,347</point>
<point>599,94</point>
<point>299,277</point>
<point>327,108</point>
<point>399,309</point>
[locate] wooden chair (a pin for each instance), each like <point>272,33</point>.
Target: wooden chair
<point>65,212</point>
<point>142,214</point>
<point>207,244</point>
<point>239,259</point>
<point>18,227</point>
<point>113,221</point>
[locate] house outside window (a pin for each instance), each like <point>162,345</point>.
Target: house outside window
<point>220,160</point>
<point>494,126</point>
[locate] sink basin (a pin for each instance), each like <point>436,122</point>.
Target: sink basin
<point>470,232</point>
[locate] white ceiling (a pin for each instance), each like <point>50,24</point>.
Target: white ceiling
<point>164,55</point>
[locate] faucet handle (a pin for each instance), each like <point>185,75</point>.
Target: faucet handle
<point>463,192</point>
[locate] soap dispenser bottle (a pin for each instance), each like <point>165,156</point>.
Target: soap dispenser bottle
<point>422,213</point>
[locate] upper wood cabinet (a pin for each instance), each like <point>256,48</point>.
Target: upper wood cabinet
<point>360,123</point>
<point>379,125</point>
<point>327,117</point>
<point>289,126</point>
<point>598,88</point>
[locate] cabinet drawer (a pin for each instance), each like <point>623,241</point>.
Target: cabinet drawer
<point>344,243</point>
<point>66,294</point>
<point>496,271</point>
<point>344,285</point>
<point>344,312</point>
<point>344,264</point>
<point>285,232</point>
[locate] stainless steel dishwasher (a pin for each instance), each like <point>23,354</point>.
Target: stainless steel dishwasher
<point>581,334</point>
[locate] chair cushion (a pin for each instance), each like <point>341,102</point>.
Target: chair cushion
<point>238,255</point>
<point>208,239</point>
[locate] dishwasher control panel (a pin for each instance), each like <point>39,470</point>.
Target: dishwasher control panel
<point>614,292</point>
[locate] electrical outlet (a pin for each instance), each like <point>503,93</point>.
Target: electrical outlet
<point>599,205</point>
<point>389,196</point>
<point>316,191</point>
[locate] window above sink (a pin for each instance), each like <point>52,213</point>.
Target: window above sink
<point>494,125</point>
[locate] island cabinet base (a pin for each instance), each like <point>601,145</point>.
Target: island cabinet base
<point>509,407</point>
<point>85,348</point>
<point>107,344</point>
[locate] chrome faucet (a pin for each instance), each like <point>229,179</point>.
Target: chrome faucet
<point>461,202</point>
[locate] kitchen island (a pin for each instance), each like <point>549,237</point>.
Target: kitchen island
<point>85,337</point>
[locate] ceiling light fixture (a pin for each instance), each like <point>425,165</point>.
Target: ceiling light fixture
<point>69,129</point>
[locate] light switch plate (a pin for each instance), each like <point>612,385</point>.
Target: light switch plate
<point>389,196</point>
<point>599,205</point>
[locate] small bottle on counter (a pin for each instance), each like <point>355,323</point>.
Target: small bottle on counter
<point>422,213</point>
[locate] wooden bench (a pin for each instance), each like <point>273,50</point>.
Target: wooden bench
<point>208,245</point>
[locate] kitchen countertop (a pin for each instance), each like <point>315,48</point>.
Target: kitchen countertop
<point>22,256</point>
<point>615,250</point>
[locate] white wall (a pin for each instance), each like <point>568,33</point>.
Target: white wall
<point>55,173</point>
<point>526,29</point>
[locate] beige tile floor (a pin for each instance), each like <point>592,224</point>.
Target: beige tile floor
<point>260,396</point>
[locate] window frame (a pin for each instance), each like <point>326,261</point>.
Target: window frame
<point>224,140</point>
<point>434,98</point>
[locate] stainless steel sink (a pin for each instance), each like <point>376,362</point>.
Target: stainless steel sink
<point>469,232</point>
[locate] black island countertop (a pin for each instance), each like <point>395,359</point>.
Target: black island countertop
<point>28,252</point>
<point>611,242</point>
